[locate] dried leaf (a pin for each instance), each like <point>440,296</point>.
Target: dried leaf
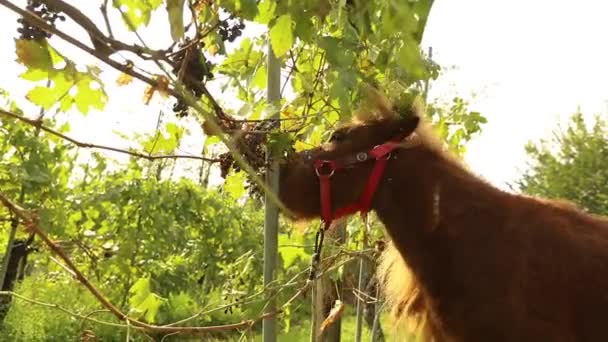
<point>148,93</point>
<point>124,78</point>
<point>88,336</point>
<point>162,87</point>
<point>334,315</point>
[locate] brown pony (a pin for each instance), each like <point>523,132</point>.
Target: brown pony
<point>472,262</point>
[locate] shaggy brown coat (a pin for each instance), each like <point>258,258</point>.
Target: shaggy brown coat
<point>473,262</point>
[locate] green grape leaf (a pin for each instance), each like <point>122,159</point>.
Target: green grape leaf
<point>48,96</point>
<point>175,9</point>
<point>235,184</point>
<point>266,11</point>
<point>304,28</point>
<point>281,35</point>
<point>248,9</point>
<point>278,142</point>
<point>410,59</point>
<point>89,95</point>
<point>337,53</point>
<point>35,75</point>
<point>136,12</point>
<point>143,301</point>
<point>260,78</point>
<point>290,254</point>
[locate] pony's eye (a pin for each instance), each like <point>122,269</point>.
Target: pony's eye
<point>337,137</point>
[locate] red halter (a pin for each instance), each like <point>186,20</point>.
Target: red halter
<point>381,153</point>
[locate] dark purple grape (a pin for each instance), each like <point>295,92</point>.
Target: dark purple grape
<point>49,15</point>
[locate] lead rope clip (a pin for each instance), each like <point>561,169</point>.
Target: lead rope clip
<point>316,256</point>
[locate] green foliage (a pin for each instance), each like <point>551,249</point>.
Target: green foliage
<point>281,35</point>
<point>136,13</point>
<point>67,86</point>
<point>31,322</point>
<point>572,164</point>
<point>455,123</point>
<point>175,9</point>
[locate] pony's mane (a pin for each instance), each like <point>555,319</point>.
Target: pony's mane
<point>401,289</point>
<point>377,107</point>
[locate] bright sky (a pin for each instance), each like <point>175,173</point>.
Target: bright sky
<point>529,63</point>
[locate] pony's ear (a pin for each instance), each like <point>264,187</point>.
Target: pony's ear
<point>374,104</point>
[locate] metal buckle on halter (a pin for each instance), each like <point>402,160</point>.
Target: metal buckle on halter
<point>323,163</point>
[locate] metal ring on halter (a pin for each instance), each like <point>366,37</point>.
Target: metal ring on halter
<point>388,155</point>
<point>361,156</point>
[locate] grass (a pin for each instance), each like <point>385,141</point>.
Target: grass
<point>301,332</point>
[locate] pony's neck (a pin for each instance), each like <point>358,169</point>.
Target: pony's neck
<point>423,200</point>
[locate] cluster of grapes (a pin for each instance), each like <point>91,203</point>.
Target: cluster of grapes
<point>237,285</point>
<point>48,14</point>
<point>252,146</point>
<point>235,298</point>
<point>231,28</point>
<point>197,70</point>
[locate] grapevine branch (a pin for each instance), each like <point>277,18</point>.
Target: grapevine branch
<point>101,42</point>
<point>38,124</point>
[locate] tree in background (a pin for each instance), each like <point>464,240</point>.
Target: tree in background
<point>572,164</point>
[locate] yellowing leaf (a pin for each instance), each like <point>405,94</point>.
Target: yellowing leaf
<point>33,54</point>
<point>281,35</point>
<point>124,79</point>
<point>200,6</point>
<point>162,87</point>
